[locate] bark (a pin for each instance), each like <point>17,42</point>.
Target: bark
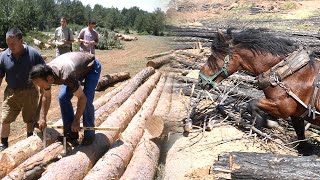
<point>34,166</point>
<point>144,162</point>
<point>251,165</point>
<point>160,61</point>
<point>111,78</point>
<point>143,165</point>
<point>123,95</point>
<point>159,55</point>
<point>86,156</point>
<point>113,163</point>
<point>19,152</point>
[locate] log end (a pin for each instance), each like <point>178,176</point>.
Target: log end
<point>154,125</point>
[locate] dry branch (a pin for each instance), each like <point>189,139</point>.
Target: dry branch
<point>111,78</point>
<point>87,156</point>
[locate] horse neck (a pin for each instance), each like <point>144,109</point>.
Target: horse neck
<point>257,63</point>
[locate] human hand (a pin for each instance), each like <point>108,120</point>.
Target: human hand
<point>42,124</point>
<point>75,126</point>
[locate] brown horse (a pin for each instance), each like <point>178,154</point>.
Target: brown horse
<point>287,75</point>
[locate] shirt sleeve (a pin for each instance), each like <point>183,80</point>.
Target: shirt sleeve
<point>81,34</point>
<point>2,72</point>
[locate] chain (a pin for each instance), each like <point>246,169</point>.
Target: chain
<point>276,79</point>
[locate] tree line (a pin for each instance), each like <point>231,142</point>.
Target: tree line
<point>44,15</point>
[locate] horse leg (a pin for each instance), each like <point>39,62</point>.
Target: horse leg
<point>304,147</point>
<point>257,108</point>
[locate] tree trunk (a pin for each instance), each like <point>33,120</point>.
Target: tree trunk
<point>34,166</point>
<point>159,55</point>
<point>82,158</point>
<point>111,78</point>
<point>19,152</point>
<point>160,61</point>
<point>144,162</point>
<point>110,166</point>
<point>123,95</point>
<point>251,165</point>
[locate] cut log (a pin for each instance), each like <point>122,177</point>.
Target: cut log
<point>160,61</point>
<point>19,152</point>
<point>159,54</point>
<point>113,163</point>
<point>177,70</point>
<point>111,78</point>
<point>123,95</point>
<point>87,156</point>
<point>251,165</point>
<point>34,166</point>
<point>144,162</point>
<point>191,65</point>
<point>39,43</point>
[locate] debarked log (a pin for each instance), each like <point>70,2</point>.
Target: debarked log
<point>251,165</point>
<point>113,163</point>
<point>87,156</point>
<point>123,95</point>
<point>160,61</point>
<point>111,78</point>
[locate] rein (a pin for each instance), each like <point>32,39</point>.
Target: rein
<point>211,79</point>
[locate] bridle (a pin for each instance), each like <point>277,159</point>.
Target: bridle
<point>211,80</point>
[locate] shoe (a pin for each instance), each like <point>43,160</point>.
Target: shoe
<point>72,138</point>
<point>3,147</point>
<point>87,141</point>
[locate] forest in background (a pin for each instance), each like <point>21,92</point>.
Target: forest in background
<point>44,15</point>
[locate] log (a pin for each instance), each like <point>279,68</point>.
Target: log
<point>34,166</point>
<point>159,55</point>
<point>87,156</point>
<point>144,162</point>
<point>191,65</point>
<point>39,43</point>
<point>111,78</point>
<point>191,55</point>
<point>123,95</point>
<point>178,70</point>
<point>160,61</point>
<point>113,163</point>
<point>251,165</point>
<point>19,152</point>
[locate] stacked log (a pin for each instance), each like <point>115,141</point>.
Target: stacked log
<point>87,156</point>
<point>144,162</point>
<point>159,55</point>
<point>19,152</point>
<point>113,163</point>
<point>118,99</point>
<point>160,61</point>
<point>111,78</point>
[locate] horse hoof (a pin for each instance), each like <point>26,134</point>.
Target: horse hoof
<point>272,124</point>
<point>187,127</point>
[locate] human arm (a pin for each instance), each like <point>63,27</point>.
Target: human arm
<point>81,105</point>
<point>45,105</point>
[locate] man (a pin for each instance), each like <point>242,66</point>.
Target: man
<point>20,94</point>
<point>63,37</point>
<point>69,70</point>
<point>88,38</point>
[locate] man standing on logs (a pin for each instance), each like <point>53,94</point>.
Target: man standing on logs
<point>69,70</point>
<point>20,94</point>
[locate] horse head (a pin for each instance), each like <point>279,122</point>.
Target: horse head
<point>221,63</point>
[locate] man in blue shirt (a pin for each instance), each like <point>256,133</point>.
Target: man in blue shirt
<point>20,94</point>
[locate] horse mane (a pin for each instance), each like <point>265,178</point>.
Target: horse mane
<point>258,40</point>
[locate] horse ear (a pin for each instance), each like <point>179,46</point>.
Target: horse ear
<point>220,36</point>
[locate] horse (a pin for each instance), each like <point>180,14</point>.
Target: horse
<point>287,74</point>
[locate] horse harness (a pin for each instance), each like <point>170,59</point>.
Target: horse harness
<point>294,62</point>
<point>285,68</point>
